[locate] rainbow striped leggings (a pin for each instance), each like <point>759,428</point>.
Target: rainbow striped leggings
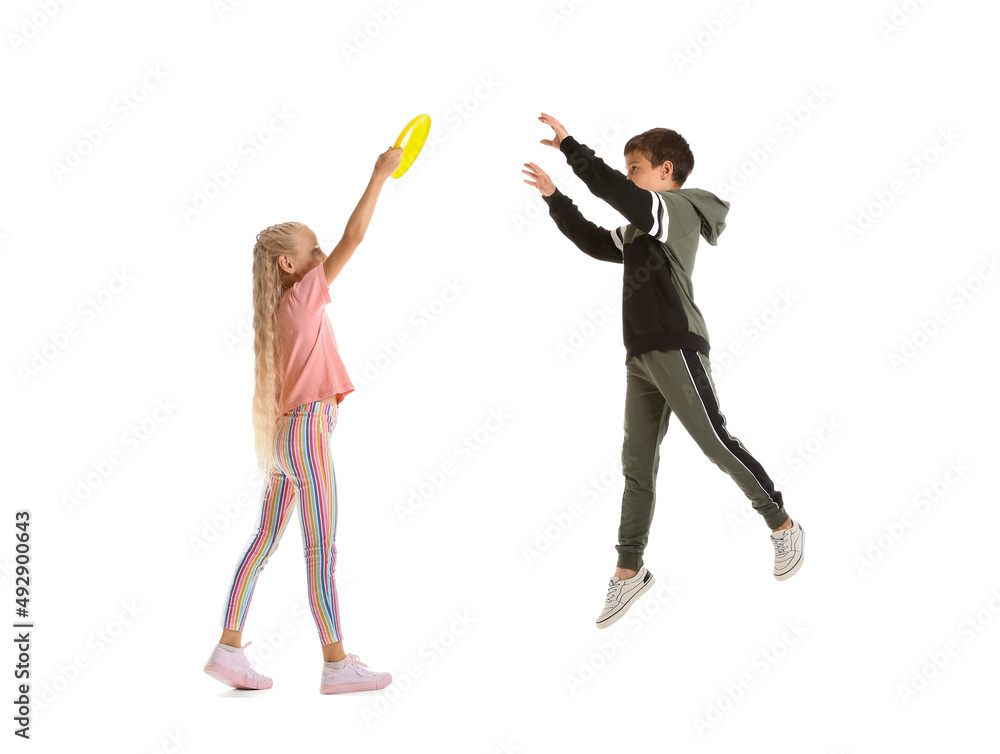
<point>303,471</point>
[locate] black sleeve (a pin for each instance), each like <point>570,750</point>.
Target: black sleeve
<point>646,210</point>
<point>592,239</point>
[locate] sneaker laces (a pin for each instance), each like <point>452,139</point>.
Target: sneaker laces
<point>781,546</point>
<point>354,661</point>
<point>246,661</point>
<point>612,591</point>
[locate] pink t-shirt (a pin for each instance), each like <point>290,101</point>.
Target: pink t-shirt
<point>313,368</point>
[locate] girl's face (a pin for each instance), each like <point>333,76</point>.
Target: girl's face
<point>307,256</point>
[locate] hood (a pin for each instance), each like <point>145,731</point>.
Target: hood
<point>711,209</point>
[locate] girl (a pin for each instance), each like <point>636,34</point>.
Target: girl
<point>300,382</point>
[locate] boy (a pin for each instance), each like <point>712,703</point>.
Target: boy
<point>666,341</point>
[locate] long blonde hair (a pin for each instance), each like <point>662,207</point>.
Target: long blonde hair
<point>269,283</point>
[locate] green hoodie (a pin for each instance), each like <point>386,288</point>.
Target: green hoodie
<point>657,249</point>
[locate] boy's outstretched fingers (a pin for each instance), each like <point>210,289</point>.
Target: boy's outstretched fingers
<point>561,132</point>
<point>542,181</point>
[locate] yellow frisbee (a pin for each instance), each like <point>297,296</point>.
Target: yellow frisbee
<point>412,140</point>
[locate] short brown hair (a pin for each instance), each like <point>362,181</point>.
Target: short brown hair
<point>658,145</point>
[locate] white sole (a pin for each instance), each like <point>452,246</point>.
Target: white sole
<point>347,688</point>
<point>218,672</point>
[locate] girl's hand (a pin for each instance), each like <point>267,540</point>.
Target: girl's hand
<point>542,181</point>
<point>387,162</point>
<point>561,132</point>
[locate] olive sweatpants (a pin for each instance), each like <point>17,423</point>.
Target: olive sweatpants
<point>678,381</point>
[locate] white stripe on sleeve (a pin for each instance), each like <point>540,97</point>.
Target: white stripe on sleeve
<point>618,236</point>
<point>659,231</point>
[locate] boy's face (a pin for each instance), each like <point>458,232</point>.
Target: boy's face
<point>644,175</point>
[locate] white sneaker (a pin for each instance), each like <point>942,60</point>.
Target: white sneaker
<point>788,550</point>
<point>354,676</point>
<point>622,593</point>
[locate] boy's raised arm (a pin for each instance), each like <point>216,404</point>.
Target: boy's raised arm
<point>592,239</point>
<point>598,242</point>
<point>644,209</point>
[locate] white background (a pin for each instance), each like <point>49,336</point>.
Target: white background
<point>530,673</point>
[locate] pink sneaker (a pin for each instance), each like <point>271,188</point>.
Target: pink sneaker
<point>233,669</point>
<point>354,676</point>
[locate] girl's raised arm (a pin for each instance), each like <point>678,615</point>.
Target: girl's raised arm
<point>357,225</point>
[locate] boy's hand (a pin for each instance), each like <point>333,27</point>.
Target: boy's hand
<point>387,162</point>
<point>561,132</point>
<point>542,181</point>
